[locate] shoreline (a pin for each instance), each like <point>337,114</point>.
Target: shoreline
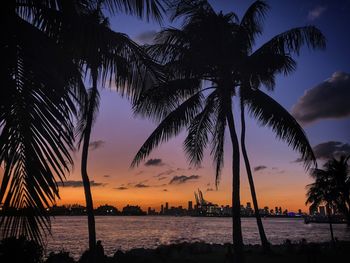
<point>301,251</point>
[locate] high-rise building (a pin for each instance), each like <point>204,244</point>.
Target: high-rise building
<point>322,211</point>
<point>249,205</point>
<point>162,209</point>
<point>166,207</point>
<point>190,208</point>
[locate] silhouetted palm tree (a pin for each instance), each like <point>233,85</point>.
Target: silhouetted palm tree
<point>207,60</point>
<point>109,58</point>
<point>41,88</point>
<point>331,187</point>
<point>260,68</point>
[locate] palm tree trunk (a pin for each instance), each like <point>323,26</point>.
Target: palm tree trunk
<point>236,203</point>
<point>264,242</point>
<point>84,160</point>
<point>331,228</point>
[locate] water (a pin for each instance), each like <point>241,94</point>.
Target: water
<point>117,232</point>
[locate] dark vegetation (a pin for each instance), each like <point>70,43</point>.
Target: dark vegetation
<point>184,252</point>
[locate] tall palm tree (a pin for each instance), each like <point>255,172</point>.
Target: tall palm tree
<point>331,186</point>
<point>108,57</point>
<point>259,68</point>
<point>207,60</point>
<point>42,87</point>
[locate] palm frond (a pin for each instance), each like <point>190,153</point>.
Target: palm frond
<point>218,140</point>
<point>198,131</point>
<point>292,40</point>
<point>36,124</point>
<point>141,8</point>
<point>252,21</point>
<point>170,126</point>
<point>159,101</point>
<point>270,113</point>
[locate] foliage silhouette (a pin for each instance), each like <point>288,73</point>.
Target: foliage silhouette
<point>332,188</point>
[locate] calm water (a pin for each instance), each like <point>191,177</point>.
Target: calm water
<point>70,233</point>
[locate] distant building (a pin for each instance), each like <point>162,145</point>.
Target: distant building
<point>131,210</point>
<point>162,209</point>
<point>166,207</point>
<point>190,208</point>
<point>322,211</point>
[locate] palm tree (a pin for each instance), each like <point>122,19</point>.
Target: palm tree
<point>110,57</point>
<point>331,187</point>
<point>260,68</point>
<point>42,87</point>
<point>207,60</point>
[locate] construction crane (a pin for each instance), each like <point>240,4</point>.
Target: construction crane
<point>200,199</point>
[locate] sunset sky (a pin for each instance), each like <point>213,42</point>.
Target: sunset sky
<point>317,93</point>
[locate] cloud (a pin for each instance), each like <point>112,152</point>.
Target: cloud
<point>75,184</point>
<point>162,178</point>
<point>316,12</point>
<point>165,190</point>
<point>331,149</point>
<point>106,176</point>
<point>210,189</point>
<point>154,162</point>
<point>167,172</point>
<point>121,188</point>
<point>146,37</point>
<point>259,168</point>
<point>140,172</point>
<point>329,99</point>
<point>96,144</point>
<point>183,179</point>
<point>141,185</point>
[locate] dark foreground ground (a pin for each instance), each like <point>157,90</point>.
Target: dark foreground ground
<point>194,252</point>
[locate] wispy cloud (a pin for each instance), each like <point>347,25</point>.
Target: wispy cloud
<point>183,179</point>
<point>210,189</point>
<point>154,162</point>
<point>96,144</point>
<point>316,12</point>
<point>75,184</point>
<point>259,168</point>
<point>121,188</point>
<point>141,185</point>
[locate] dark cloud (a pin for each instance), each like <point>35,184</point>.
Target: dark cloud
<point>154,162</point>
<point>165,190</point>
<point>146,37</point>
<point>331,149</point>
<point>106,176</point>
<point>183,179</point>
<point>162,178</point>
<point>329,99</point>
<point>141,185</point>
<point>316,12</point>
<point>121,188</point>
<point>75,184</point>
<point>210,189</point>
<point>96,144</point>
<point>259,168</point>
